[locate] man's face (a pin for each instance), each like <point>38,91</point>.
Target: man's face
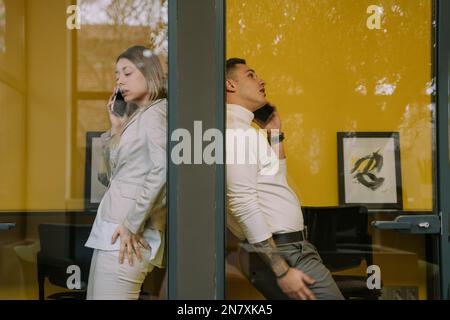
<point>249,89</point>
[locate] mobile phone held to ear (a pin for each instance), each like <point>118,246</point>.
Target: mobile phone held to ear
<point>264,113</point>
<point>119,106</point>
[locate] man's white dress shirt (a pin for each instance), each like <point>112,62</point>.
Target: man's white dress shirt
<point>259,199</point>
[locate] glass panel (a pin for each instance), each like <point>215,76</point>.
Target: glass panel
<point>334,66</point>
<point>2,26</point>
<point>54,110</point>
<point>124,22</point>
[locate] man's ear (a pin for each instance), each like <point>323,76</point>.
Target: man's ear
<point>230,85</point>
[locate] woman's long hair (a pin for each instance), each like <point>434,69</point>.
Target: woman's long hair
<point>150,66</point>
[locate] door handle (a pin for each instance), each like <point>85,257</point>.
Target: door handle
<point>391,225</point>
<point>411,224</point>
<point>7,226</point>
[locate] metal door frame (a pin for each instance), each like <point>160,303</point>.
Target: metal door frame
<point>204,15</point>
<point>196,221</point>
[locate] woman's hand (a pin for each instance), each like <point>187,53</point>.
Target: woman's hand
<point>129,244</point>
<point>116,121</point>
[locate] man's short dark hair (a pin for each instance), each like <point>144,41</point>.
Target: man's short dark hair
<point>231,64</point>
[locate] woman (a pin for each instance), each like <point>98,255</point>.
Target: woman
<point>128,232</point>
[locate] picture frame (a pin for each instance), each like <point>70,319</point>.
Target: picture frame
<point>93,188</point>
<point>369,169</point>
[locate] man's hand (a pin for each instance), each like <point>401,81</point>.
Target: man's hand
<point>273,127</point>
<point>129,243</point>
<point>274,122</point>
<point>295,285</point>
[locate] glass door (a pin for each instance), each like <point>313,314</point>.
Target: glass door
<point>355,86</point>
<point>443,68</point>
<point>57,72</point>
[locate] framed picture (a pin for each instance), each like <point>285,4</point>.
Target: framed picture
<point>93,188</point>
<point>369,169</point>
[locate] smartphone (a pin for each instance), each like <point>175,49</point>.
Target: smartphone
<point>119,106</point>
<point>264,113</point>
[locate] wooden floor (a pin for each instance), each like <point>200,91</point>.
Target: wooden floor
<point>18,274</point>
<point>237,288</point>
<point>18,277</point>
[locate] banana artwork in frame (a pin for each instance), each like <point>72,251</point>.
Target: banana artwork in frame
<point>370,169</point>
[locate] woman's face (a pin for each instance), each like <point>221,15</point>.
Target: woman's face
<point>131,82</point>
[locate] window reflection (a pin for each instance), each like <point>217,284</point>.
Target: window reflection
<point>2,26</point>
<point>111,26</point>
<point>327,71</point>
<point>108,27</point>
<point>47,110</point>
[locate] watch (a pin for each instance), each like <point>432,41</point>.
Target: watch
<point>277,138</point>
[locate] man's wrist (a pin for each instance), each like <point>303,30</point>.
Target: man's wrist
<point>276,138</point>
<point>273,131</point>
<point>269,253</point>
<point>280,268</point>
<point>281,273</point>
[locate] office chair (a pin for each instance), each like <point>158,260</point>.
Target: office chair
<point>62,245</point>
<point>341,237</point>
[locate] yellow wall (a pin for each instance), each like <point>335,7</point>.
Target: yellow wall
<point>35,106</point>
<point>49,104</point>
<point>322,65</point>
<point>12,148</point>
<point>13,109</point>
<point>42,124</point>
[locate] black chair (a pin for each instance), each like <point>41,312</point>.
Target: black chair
<point>341,237</point>
<point>62,245</point>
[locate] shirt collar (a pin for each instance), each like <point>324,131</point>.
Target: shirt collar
<point>240,112</point>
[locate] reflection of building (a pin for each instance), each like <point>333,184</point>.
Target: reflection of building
<point>2,26</point>
<point>97,49</point>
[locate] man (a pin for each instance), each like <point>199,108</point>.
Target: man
<point>263,210</point>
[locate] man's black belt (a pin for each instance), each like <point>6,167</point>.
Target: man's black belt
<point>283,238</point>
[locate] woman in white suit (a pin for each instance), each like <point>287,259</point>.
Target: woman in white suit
<point>128,231</point>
